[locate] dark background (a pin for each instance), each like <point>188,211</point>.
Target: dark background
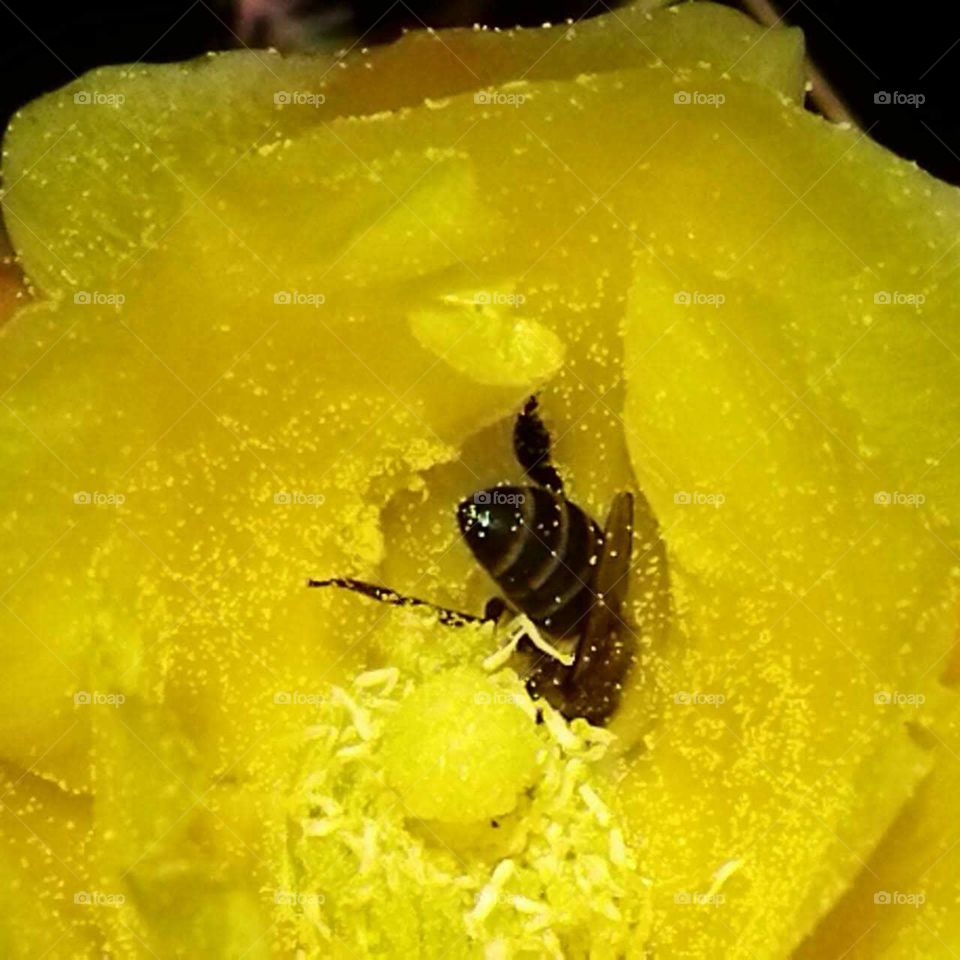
<point>861,47</point>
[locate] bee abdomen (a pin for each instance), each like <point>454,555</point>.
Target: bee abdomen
<point>540,548</point>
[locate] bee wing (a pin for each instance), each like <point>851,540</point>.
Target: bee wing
<point>653,605</point>
<point>609,644</point>
<point>598,653</point>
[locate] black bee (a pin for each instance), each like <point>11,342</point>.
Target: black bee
<point>564,577</point>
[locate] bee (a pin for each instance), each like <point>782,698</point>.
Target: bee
<point>563,577</point>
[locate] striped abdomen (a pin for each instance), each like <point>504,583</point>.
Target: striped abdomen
<point>540,548</point>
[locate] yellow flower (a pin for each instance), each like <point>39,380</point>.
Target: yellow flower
<point>288,310</point>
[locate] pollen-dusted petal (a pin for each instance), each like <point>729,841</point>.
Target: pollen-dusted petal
<point>488,336</point>
<point>100,171</point>
<point>903,903</point>
<point>49,886</point>
<point>803,599</point>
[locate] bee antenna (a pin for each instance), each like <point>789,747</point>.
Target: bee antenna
<point>449,617</point>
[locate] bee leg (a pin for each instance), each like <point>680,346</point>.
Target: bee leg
<point>531,445</point>
<point>447,616</point>
<point>521,628</point>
